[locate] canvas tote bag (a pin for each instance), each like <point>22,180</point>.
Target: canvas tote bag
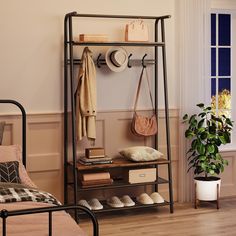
<point>143,125</point>
<point>136,31</point>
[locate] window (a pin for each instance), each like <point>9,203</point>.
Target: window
<point>223,56</point>
<point>221,76</point>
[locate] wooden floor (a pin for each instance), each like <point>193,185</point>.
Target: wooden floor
<point>186,221</point>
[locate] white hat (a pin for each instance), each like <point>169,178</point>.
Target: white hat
<point>116,59</point>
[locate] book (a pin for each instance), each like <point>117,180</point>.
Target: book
<point>106,158</point>
<point>96,176</point>
<point>94,152</point>
<point>92,183</point>
<point>95,162</point>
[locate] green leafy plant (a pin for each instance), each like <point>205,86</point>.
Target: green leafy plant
<point>207,132</point>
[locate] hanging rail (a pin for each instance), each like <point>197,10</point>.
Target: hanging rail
<point>75,14</point>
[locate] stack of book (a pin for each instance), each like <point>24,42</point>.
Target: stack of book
<point>94,156</point>
<point>96,179</point>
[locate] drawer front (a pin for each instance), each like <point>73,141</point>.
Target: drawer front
<point>142,175</point>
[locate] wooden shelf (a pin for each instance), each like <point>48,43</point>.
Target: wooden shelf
<point>120,162</point>
<point>122,184</point>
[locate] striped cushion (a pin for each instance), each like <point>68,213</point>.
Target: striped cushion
<point>9,172</point>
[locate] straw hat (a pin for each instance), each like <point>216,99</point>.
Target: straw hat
<point>116,59</point>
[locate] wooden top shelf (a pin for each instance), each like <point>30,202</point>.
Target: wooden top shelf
<point>132,44</point>
<point>121,162</point>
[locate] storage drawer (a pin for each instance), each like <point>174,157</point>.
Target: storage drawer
<point>141,175</point>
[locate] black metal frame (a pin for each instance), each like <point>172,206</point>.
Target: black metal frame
<point>70,61</point>
<point>23,113</point>
<point>4,214</point>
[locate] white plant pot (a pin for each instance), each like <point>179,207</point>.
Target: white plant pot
<point>206,190</point>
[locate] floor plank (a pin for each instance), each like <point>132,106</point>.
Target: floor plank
<point>187,221</point>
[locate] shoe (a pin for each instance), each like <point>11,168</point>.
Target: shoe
<point>84,203</point>
<point>127,201</point>
<point>95,204</point>
<point>115,202</point>
<point>157,198</point>
<point>144,199</point>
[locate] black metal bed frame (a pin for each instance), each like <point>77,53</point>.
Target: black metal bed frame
<point>5,214</point>
<point>69,87</point>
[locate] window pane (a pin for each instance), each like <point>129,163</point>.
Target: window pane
<point>224,93</point>
<point>213,62</point>
<point>213,93</point>
<point>224,29</point>
<point>224,61</point>
<point>213,29</point>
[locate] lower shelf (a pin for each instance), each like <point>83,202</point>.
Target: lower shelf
<point>122,184</point>
<point>137,205</point>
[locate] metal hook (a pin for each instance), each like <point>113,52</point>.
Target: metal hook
<point>143,60</point>
<point>98,60</point>
<point>130,55</point>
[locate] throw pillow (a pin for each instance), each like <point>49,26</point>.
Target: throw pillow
<point>141,153</point>
<point>9,172</point>
<point>14,153</point>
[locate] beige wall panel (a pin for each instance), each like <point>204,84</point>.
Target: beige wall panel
<point>44,137</point>
<point>8,134</point>
<point>228,184</point>
<point>174,134</point>
<point>45,162</point>
<point>50,181</point>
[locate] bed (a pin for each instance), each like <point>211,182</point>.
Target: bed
<point>25,210</point>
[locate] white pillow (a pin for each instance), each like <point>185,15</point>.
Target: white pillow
<point>141,153</point>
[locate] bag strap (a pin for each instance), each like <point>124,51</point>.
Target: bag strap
<point>138,89</point>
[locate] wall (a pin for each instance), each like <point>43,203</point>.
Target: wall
<point>31,72</point>
<point>31,47</point>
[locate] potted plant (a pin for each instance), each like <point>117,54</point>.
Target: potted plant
<point>207,132</point>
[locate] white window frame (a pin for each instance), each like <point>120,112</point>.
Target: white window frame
<point>232,145</point>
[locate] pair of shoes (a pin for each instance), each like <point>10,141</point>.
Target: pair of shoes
<point>124,201</point>
<point>155,197</point>
<point>93,204</point>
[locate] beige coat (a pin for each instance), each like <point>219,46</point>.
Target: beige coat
<point>86,97</point>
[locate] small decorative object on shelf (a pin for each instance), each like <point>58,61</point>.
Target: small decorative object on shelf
<point>93,38</point>
<point>207,132</point>
<point>136,31</point>
<point>94,152</point>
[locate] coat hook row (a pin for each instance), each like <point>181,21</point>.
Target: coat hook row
<point>99,62</point>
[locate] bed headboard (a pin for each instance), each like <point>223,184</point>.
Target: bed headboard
<point>23,126</point>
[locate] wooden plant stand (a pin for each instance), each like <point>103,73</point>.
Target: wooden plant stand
<point>197,201</point>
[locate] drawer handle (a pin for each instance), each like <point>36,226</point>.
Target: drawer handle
<point>142,175</point>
